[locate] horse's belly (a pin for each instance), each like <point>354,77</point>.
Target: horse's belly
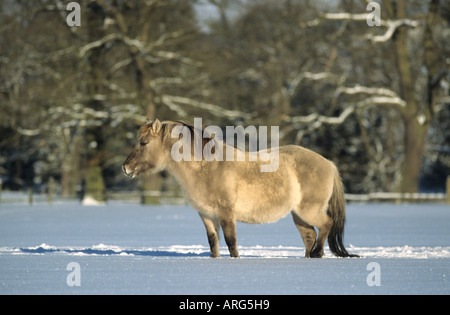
<point>262,215</point>
<point>262,206</point>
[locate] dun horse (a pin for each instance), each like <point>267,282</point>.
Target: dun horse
<point>223,192</point>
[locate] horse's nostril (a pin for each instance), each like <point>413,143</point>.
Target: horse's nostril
<point>128,172</point>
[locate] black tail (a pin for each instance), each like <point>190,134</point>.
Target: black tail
<point>336,210</point>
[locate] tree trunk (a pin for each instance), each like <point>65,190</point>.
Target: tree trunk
<point>417,118</point>
<point>95,138</point>
<point>95,186</point>
<point>415,135</point>
<point>151,187</point>
<point>70,168</point>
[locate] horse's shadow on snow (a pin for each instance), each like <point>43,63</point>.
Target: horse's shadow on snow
<point>110,252</point>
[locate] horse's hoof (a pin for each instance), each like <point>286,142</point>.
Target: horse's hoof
<point>316,253</point>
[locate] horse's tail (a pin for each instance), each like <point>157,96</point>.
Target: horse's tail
<point>336,210</point>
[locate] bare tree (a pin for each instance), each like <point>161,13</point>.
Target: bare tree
<point>416,43</point>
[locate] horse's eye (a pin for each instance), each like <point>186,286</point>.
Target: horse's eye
<point>143,144</point>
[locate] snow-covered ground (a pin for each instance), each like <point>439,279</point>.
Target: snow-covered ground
<point>127,248</point>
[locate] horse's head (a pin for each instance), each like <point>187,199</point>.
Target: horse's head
<point>148,154</point>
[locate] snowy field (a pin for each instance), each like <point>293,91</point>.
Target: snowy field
<point>124,248</point>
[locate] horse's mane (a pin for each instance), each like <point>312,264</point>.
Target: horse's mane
<point>167,127</point>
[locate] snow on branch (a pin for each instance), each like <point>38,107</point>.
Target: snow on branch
<point>313,77</point>
<point>173,101</point>
<point>358,89</point>
<point>28,132</point>
<point>315,121</point>
<point>166,37</point>
<point>391,25</point>
<point>167,100</point>
<point>318,120</point>
<point>147,51</point>
<point>334,17</point>
<point>345,16</point>
<point>111,37</point>
<point>159,56</point>
<point>98,43</point>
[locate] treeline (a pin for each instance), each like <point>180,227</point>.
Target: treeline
<point>373,99</point>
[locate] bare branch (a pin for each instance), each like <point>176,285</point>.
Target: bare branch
<point>165,38</point>
<point>121,64</point>
<point>98,43</point>
<point>315,121</point>
<point>335,17</point>
<point>358,89</point>
<point>392,27</point>
<point>111,37</point>
<point>212,109</point>
<point>319,120</point>
<point>313,77</point>
<point>170,55</point>
<point>173,106</point>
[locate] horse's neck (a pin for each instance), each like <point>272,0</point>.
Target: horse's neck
<point>187,173</point>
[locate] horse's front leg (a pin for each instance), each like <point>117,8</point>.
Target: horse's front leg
<point>212,231</point>
<point>229,231</point>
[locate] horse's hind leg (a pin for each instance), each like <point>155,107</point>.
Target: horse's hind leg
<point>307,232</point>
<point>229,231</point>
<point>212,230</point>
<point>313,214</point>
<point>324,225</point>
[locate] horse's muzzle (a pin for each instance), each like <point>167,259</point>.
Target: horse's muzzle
<point>128,173</point>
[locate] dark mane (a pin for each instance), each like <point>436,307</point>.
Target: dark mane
<point>167,127</point>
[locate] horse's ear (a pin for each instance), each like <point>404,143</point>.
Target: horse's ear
<point>156,125</point>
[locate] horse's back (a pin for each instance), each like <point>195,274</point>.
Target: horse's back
<point>304,161</point>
